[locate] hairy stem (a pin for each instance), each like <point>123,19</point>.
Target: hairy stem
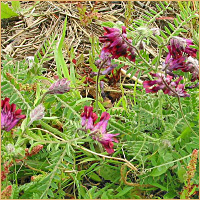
<point>97,85</point>
<point>130,45</point>
<point>113,158</point>
<point>97,88</point>
<point>42,99</point>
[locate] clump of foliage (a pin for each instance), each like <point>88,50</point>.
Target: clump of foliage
<point>55,144</point>
<point>86,17</point>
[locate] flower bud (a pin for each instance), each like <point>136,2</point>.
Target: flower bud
<point>34,151</point>
<point>7,192</point>
<point>155,31</point>
<point>59,87</point>
<point>37,113</point>
<point>10,148</point>
<point>141,45</point>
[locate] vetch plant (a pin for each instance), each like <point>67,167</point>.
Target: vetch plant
<point>148,134</point>
<point>118,45</point>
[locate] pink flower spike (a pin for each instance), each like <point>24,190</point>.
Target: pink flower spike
<point>9,115</point>
<point>88,118</point>
<point>155,85</point>
<point>100,134</point>
<point>178,46</point>
<point>98,130</point>
<point>114,43</point>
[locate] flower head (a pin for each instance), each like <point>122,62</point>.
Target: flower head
<point>192,66</point>
<point>182,44</point>
<point>59,87</point>
<point>155,85</point>
<point>115,44</point>
<point>88,118</point>
<point>98,130</point>
<point>9,115</point>
<point>100,134</point>
<point>178,46</point>
<point>185,64</point>
<point>10,148</point>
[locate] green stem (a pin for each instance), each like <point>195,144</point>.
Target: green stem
<point>149,169</point>
<point>97,88</point>
<point>180,106</point>
<point>158,61</point>
<point>16,174</point>
<point>161,107</point>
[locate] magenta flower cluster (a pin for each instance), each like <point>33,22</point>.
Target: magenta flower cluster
<point>114,46</point>
<point>159,84</point>
<point>98,130</point>
<point>114,43</point>
<point>182,56</point>
<point>9,115</point>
